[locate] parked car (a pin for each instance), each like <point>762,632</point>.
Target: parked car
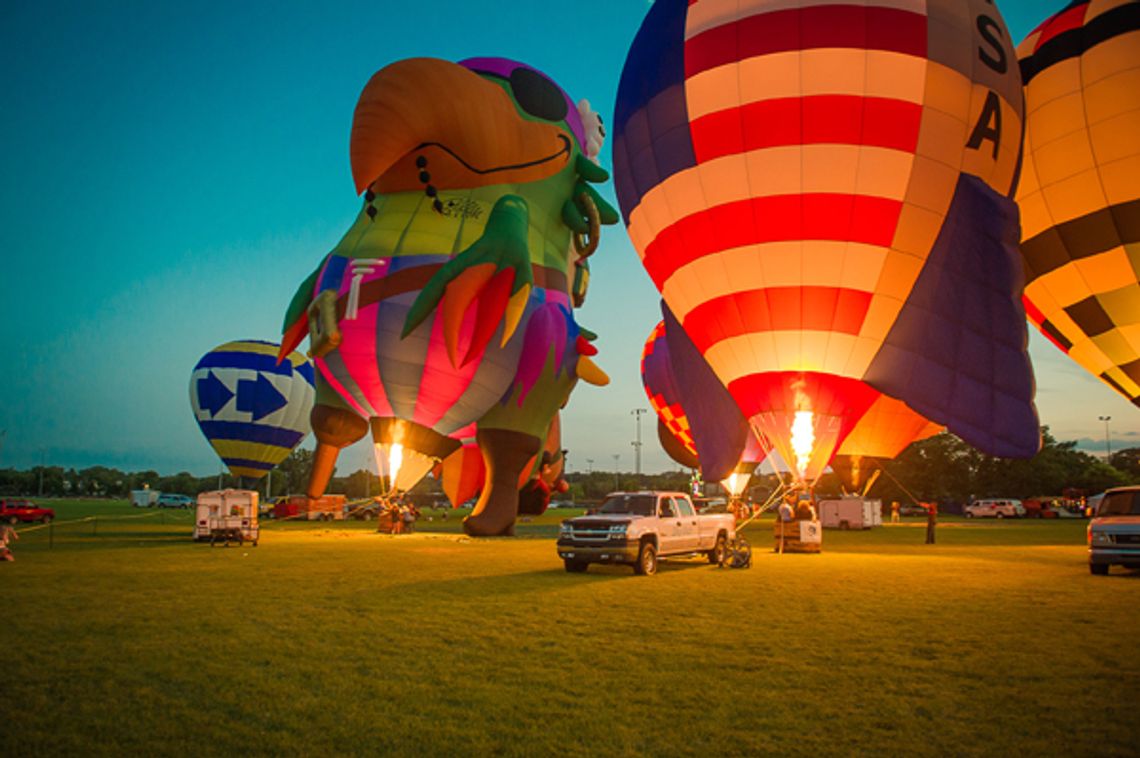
<point>997,508</point>
<point>14,511</point>
<point>1114,532</point>
<point>911,509</point>
<point>171,500</point>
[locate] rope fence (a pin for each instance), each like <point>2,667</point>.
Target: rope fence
<point>51,525</point>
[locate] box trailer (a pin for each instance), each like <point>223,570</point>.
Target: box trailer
<point>144,498</point>
<point>301,508</point>
<point>227,516</point>
<point>851,513</point>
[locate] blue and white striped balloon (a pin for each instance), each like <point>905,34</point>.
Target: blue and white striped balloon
<point>253,410</point>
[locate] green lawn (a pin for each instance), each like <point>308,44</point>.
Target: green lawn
<point>125,637</point>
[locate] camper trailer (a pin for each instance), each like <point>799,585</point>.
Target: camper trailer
<point>227,516</point>
<point>850,513</point>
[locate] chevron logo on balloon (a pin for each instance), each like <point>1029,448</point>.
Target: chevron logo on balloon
<point>213,394</point>
<point>259,397</point>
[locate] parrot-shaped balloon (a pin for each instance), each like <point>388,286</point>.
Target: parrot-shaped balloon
<point>821,193</point>
<point>450,299</point>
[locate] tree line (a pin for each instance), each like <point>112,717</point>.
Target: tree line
<point>942,469</point>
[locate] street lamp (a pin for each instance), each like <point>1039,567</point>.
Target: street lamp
<point>636,413</point>
<point>617,484</point>
<point>1107,439</point>
<point>589,465</point>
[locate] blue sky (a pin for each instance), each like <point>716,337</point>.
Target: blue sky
<point>172,171</point>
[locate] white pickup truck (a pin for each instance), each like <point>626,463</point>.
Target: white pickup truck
<point>637,528</point>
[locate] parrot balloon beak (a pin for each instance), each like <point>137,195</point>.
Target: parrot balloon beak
<point>424,121</point>
<point>591,373</point>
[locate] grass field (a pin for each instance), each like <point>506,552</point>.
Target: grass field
<point>125,637</point>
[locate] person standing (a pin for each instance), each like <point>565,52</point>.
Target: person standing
<point>931,521</point>
<point>895,512</point>
<point>784,517</point>
<point>7,534</point>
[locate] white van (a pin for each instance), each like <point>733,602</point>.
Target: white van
<point>998,508</point>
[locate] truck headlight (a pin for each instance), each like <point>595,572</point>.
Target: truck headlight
<point>1100,538</point>
<point>566,530</point>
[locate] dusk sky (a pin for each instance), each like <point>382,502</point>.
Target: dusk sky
<point>171,172</point>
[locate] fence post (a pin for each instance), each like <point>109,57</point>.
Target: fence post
<point>51,535</point>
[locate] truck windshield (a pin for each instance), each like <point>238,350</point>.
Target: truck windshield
<point>1120,504</point>
<point>635,505</point>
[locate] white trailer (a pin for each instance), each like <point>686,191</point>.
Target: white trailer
<point>144,498</point>
<point>227,516</point>
<point>850,513</point>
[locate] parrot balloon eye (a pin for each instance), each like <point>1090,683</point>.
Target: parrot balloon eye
<point>537,95</point>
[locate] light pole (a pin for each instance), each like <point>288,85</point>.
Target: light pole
<point>617,484</point>
<point>1107,439</point>
<point>589,466</point>
<point>636,413</point>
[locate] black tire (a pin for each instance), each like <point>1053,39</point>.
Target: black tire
<point>1000,514</point>
<point>1098,569</point>
<point>742,554</point>
<point>575,567</point>
<point>13,520</point>
<point>969,514</point>
<point>46,519</point>
<point>719,551</point>
<point>646,560</point>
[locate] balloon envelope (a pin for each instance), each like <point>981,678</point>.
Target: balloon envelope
<point>253,411</point>
<point>820,193</point>
<point>1080,187</point>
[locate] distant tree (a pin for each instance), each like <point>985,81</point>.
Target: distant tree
<point>295,470</point>
<point>183,483</point>
<point>944,468</point>
<point>1127,461</point>
<point>101,481</point>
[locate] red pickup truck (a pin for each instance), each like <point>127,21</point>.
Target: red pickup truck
<point>14,511</point>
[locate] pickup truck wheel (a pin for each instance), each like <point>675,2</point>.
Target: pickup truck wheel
<point>717,554</point>
<point>1000,515</point>
<point>1098,569</point>
<point>13,520</point>
<point>969,514</point>
<point>646,560</point>
<point>575,567</point>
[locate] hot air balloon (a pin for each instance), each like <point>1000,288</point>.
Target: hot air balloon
<point>449,301</point>
<point>673,428</point>
<point>1080,187</point>
<point>253,409</point>
<point>677,380</point>
<point>821,194</point>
